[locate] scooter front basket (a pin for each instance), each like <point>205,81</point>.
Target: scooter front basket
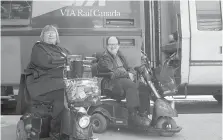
<point>82,92</point>
<point>166,78</point>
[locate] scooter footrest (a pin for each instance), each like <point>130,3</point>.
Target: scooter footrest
<point>46,138</point>
<point>176,130</point>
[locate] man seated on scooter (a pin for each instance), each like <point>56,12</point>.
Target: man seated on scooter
<point>122,77</point>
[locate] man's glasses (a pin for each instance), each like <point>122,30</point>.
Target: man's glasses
<point>113,45</point>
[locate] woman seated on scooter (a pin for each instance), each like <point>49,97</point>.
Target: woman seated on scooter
<point>122,77</point>
<point>46,81</point>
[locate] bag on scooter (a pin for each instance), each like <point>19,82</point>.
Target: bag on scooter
<point>36,126</point>
<point>42,124</point>
<point>83,92</point>
<point>41,117</point>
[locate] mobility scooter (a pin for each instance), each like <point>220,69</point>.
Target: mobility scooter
<point>114,113</point>
<point>80,94</point>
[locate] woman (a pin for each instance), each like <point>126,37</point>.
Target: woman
<point>46,80</point>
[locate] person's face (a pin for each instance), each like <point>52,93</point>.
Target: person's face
<point>50,37</point>
<point>113,46</point>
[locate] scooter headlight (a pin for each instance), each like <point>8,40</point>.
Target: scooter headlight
<point>84,121</point>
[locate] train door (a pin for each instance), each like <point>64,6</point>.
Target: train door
<point>206,42</point>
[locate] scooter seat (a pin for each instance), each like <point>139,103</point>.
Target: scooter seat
<point>105,98</point>
<point>37,101</point>
<point>108,94</point>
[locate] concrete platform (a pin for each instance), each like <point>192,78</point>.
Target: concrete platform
<point>195,127</point>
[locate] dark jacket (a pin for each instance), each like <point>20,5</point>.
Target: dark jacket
<point>45,76</point>
<point>107,63</point>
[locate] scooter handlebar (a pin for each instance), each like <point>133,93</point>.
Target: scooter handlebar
<point>107,74</point>
<point>60,60</point>
<point>139,69</point>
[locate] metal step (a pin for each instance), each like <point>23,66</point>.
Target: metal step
<point>12,97</point>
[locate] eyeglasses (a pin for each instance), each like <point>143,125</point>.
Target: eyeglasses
<point>50,33</point>
<point>113,45</point>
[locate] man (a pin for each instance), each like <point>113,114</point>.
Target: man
<point>123,76</point>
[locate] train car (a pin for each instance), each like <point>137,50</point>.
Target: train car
<point>189,29</point>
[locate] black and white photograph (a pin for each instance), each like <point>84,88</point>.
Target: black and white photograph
<point>111,69</point>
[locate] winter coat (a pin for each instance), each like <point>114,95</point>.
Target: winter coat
<point>107,63</point>
<point>45,76</point>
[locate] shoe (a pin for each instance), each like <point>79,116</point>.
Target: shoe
<point>140,120</point>
<point>92,138</point>
<point>146,121</point>
<point>64,137</point>
<point>55,136</point>
<point>144,114</point>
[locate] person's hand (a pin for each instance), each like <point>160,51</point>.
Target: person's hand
<point>131,76</point>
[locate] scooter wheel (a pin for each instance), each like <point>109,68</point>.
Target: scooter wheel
<point>21,134</point>
<point>99,123</point>
<point>166,123</point>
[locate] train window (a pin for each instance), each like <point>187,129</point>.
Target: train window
<point>209,16</point>
<point>16,13</point>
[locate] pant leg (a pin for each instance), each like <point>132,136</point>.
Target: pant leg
<point>58,107</point>
<point>58,97</point>
<point>131,91</point>
<point>144,97</point>
<point>137,95</point>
